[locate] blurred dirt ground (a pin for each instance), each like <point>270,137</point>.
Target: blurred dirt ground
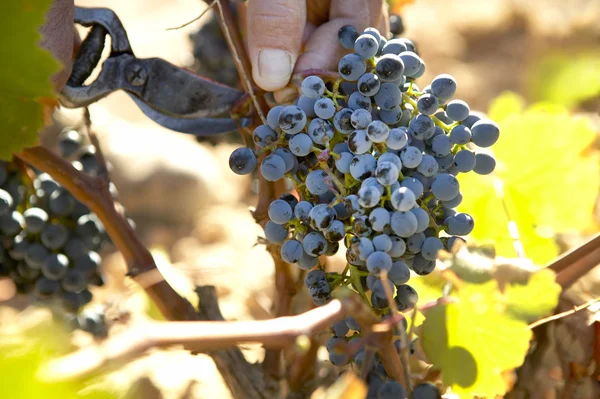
<point>194,213</point>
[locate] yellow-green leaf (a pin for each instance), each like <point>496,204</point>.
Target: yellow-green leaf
<point>473,341</point>
<point>25,346</point>
<point>566,78</point>
<point>546,179</point>
<point>25,71</point>
<point>534,299</point>
<point>428,287</point>
<point>505,105</point>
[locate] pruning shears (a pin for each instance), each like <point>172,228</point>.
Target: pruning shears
<point>171,96</point>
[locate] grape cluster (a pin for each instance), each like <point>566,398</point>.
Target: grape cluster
<point>50,240</point>
<point>374,159</point>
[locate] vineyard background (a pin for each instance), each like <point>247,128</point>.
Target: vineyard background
<point>192,212</point>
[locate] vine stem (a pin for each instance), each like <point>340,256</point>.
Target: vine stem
<point>575,263</point>
<point>268,191</point>
<point>563,314</point>
<point>197,336</point>
<point>404,338</point>
<point>95,194</point>
<point>239,54</point>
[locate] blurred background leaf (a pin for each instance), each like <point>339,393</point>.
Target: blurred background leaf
<point>25,71</point>
<point>565,78</point>
<point>25,344</point>
<point>535,299</point>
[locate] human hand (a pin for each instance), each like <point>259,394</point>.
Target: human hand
<point>278,30</point>
<point>59,37</point>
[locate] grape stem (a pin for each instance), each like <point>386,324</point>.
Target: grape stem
<point>334,93</point>
<point>355,280</point>
<point>404,344</point>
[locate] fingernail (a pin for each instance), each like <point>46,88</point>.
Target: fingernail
<point>274,68</point>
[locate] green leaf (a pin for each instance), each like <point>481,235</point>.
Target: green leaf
<point>505,105</point>
<point>22,353</point>
<point>538,147</point>
<point>473,341</point>
<point>535,298</point>
<point>429,287</point>
<point>25,72</point>
<point>565,78</point>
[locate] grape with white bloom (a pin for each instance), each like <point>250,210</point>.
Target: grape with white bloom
<point>343,162</point>
<point>403,224</point>
<point>242,161</point>
<point>430,248</point>
<point>397,138</point>
<point>291,251</point>
<point>363,166</point>
<point>300,145</point>
<point>314,244</point>
<point>428,166</point>
<point>321,216</point>
<point>368,196</point>
<point>324,108</point>
<point>280,212</point>
<point>358,142</point>
<point>403,199</point>
<point>316,182</point>
<point>445,187</point>
<point>379,261</point>
<point>398,247</point>
<point>379,219</point>
<point>275,233</point>
<point>313,87</point>
<point>382,242</point>
<point>387,173</point>
<point>378,131</point>
<point>411,157</point>
<point>413,185</point>
<point>272,167</point>
<point>422,219</point>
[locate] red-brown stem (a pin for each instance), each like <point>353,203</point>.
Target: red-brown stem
<point>285,283</point>
<point>395,359</point>
<point>94,193</point>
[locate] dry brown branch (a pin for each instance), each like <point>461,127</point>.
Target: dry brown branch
<point>564,314</point>
<point>244,380</point>
<point>568,258</point>
<point>302,366</point>
<point>574,264</point>
<point>198,336</point>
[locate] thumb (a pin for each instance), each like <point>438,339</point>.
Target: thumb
<point>274,40</point>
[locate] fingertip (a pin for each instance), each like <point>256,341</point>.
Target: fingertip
<point>272,68</point>
<point>274,39</point>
